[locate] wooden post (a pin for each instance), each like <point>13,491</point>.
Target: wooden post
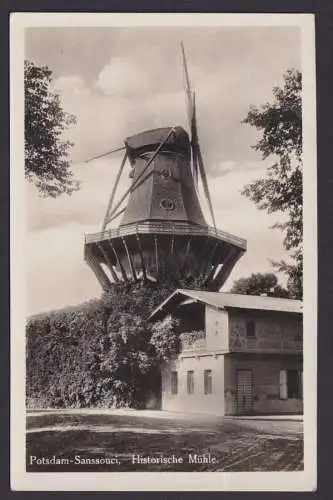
<point>98,271</point>
<point>187,251</point>
<point>202,255</point>
<point>129,257</point>
<point>143,265</point>
<point>208,260</point>
<point>172,243</point>
<point>227,267</point>
<point>108,261</point>
<point>156,257</point>
<point>210,276</point>
<point>121,267</point>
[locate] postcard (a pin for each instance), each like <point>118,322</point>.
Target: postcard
<point>163,252</point>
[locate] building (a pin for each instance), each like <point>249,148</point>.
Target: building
<point>239,354</point>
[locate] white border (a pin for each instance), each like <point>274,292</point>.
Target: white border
<point>160,481</point>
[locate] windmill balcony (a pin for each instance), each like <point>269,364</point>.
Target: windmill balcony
<point>164,227</point>
<point>162,250</point>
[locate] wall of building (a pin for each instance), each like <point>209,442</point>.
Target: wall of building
<point>266,382</point>
<point>274,331</point>
<point>198,402</point>
<point>275,347</point>
<point>217,329</point>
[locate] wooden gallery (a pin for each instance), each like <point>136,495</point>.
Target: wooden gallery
<point>240,354</point>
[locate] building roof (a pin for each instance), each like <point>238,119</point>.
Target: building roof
<point>223,300</point>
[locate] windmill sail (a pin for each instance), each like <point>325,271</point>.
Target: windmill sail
<point>114,150</point>
<point>188,90</point>
<point>197,161</point>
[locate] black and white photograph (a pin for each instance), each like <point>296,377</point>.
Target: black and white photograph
<point>163,252</point>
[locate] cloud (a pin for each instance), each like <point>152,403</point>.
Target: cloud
<point>83,208</point>
<point>70,84</point>
<point>123,77</point>
<point>57,275</point>
<point>231,166</point>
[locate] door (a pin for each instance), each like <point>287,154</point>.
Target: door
<point>244,392</point>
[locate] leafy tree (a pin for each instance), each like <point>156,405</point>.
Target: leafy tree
<point>258,284</point>
<point>46,152</point>
<point>280,123</point>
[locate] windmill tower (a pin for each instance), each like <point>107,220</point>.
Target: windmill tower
<point>163,235</point>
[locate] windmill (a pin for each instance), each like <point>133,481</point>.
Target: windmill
<point>163,235</point>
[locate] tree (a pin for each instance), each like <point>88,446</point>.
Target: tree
<point>280,123</point>
<point>46,152</point>
<point>258,284</point>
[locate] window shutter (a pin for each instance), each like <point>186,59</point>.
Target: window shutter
<point>283,384</point>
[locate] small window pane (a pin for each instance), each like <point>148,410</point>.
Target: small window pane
<point>250,329</point>
<point>208,386</point>
<point>190,382</point>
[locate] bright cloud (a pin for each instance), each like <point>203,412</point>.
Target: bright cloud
<point>123,77</point>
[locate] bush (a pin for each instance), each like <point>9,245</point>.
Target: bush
<point>100,354</point>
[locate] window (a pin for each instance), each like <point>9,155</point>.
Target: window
<point>190,382</point>
<point>293,383</point>
<point>174,382</point>
<point>290,384</point>
<point>283,384</point>
<point>250,328</point>
<point>208,385</point>
<point>167,204</point>
<point>165,173</point>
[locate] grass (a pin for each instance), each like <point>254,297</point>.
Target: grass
<point>234,447</point>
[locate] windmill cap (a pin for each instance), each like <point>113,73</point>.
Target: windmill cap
<point>149,140</point>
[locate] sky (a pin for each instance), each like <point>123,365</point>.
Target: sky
<point>121,81</point>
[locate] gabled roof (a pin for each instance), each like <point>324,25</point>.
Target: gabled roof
<point>223,300</point>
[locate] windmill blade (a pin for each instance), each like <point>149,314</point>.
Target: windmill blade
<point>115,150</point>
<point>113,193</point>
<point>205,183</point>
<point>188,90</point>
<point>191,117</point>
<point>194,142</point>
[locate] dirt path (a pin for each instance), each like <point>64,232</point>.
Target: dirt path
<point>166,442</point>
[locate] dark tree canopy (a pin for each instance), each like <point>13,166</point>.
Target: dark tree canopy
<point>46,152</point>
<point>280,124</point>
<point>258,284</point>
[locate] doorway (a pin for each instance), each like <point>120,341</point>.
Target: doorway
<point>244,392</point>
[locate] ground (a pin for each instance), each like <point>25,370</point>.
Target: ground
<point>228,444</point>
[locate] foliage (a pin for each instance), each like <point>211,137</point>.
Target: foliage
<point>165,338</point>
<point>258,284</point>
<point>103,353</point>
<point>280,123</point>
<point>192,337</point>
<point>46,152</point>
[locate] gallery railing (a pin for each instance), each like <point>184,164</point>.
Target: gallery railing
<point>164,228</point>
